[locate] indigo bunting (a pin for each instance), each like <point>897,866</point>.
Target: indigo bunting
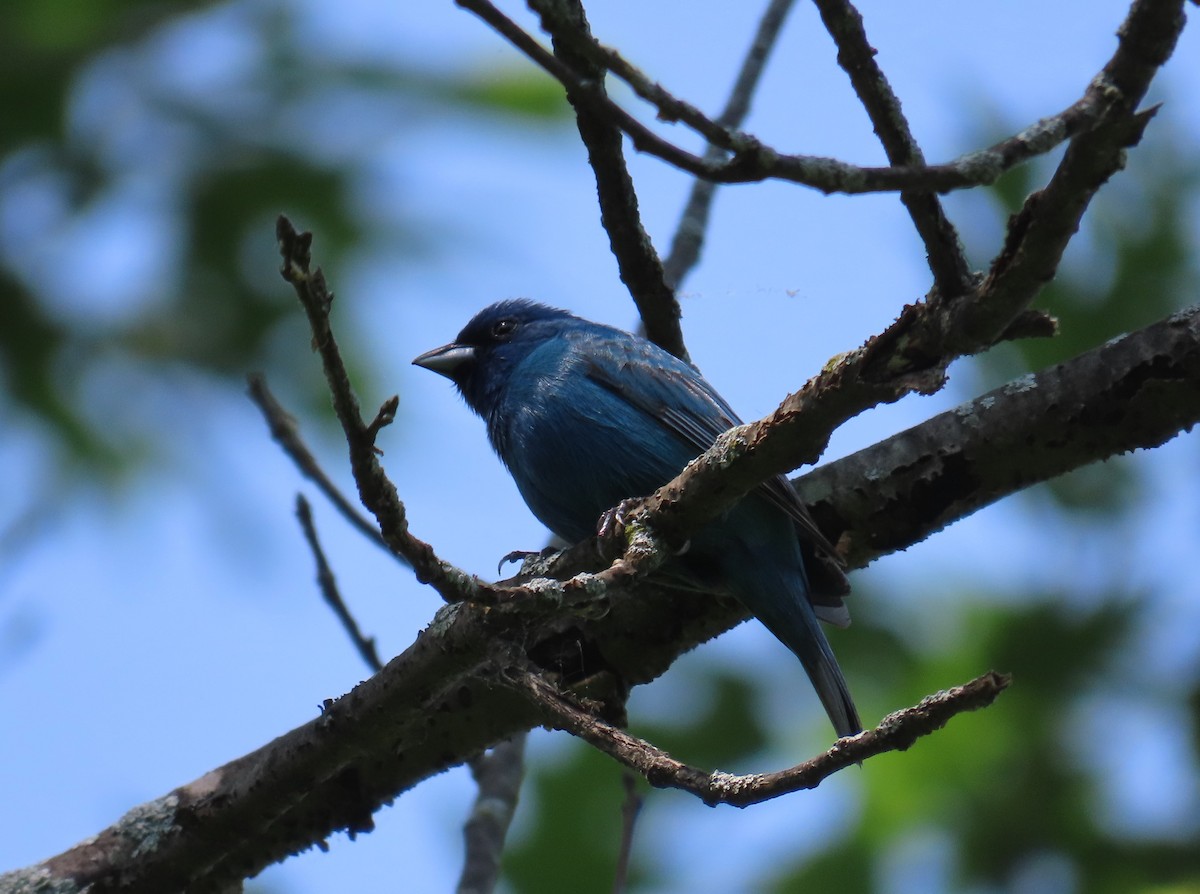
<point>585,416</point>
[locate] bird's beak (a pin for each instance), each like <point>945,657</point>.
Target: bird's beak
<point>447,359</point>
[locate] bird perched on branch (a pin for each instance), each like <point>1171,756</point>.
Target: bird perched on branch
<point>585,416</point>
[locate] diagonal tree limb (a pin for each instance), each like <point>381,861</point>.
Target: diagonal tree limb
<point>497,773</point>
<point>689,234</point>
<point>439,702</point>
<point>1134,392</point>
<point>287,436</point>
<point>1039,233</point>
<point>638,262</point>
<point>363,644</point>
<point>375,490</point>
<point>751,161</point>
<point>951,274</point>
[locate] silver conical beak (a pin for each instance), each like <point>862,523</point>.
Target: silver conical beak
<point>446,360</point>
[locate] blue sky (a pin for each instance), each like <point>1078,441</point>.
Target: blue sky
<point>175,625</point>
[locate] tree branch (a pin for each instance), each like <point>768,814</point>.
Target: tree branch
<point>689,235</point>
<point>751,161</point>
<point>377,493</point>
<point>896,732</point>
<point>1039,233</point>
<point>951,273</point>
<point>637,260</point>
<point>498,773</point>
<point>364,645</point>
<point>439,702</point>
<point>1133,393</point>
<point>287,435</point>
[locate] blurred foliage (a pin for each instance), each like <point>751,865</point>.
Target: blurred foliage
<point>94,121</point>
<point>202,154</point>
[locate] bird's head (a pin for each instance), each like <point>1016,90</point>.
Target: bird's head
<point>485,353</point>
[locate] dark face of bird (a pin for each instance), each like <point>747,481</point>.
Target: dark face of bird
<point>481,359</point>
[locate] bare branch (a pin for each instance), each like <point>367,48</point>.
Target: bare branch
<point>637,260</point>
<point>689,235</point>
<point>437,704</point>
<point>287,435</point>
<point>951,273</point>
<point>752,161</point>
<point>1038,235</point>
<point>896,732</point>
<point>329,589</point>
<point>631,807</point>
<point>377,493</point>
<point>1135,392</point>
<point>498,773</point>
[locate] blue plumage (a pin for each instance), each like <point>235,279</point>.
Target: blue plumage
<point>585,415</point>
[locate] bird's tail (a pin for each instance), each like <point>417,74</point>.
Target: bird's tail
<point>827,679</point>
<point>804,636</point>
<point>787,613</point>
<point>762,566</point>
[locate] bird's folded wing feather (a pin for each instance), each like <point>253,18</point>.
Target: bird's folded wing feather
<point>674,394</point>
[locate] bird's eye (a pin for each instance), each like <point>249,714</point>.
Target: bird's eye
<point>503,328</point>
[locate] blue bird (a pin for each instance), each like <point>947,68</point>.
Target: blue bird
<point>585,416</point>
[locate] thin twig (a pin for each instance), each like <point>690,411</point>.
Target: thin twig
<point>947,261</point>
<point>499,778</point>
<point>287,435</point>
<point>689,235</point>
<point>896,732</point>
<point>374,488</point>
<point>1038,235</point>
<point>752,161</point>
<point>329,589</point>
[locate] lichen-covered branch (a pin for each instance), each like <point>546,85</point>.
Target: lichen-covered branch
<point>896,732</point>
<point>441,702</point>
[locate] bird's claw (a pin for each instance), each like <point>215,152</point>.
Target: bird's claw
<point>612,522</point>
<point>517,555</point>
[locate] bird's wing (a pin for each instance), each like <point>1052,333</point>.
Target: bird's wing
<point>673,393</point>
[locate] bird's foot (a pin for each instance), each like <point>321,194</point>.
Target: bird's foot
<point>612,522</point>
<point>517,555</point>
